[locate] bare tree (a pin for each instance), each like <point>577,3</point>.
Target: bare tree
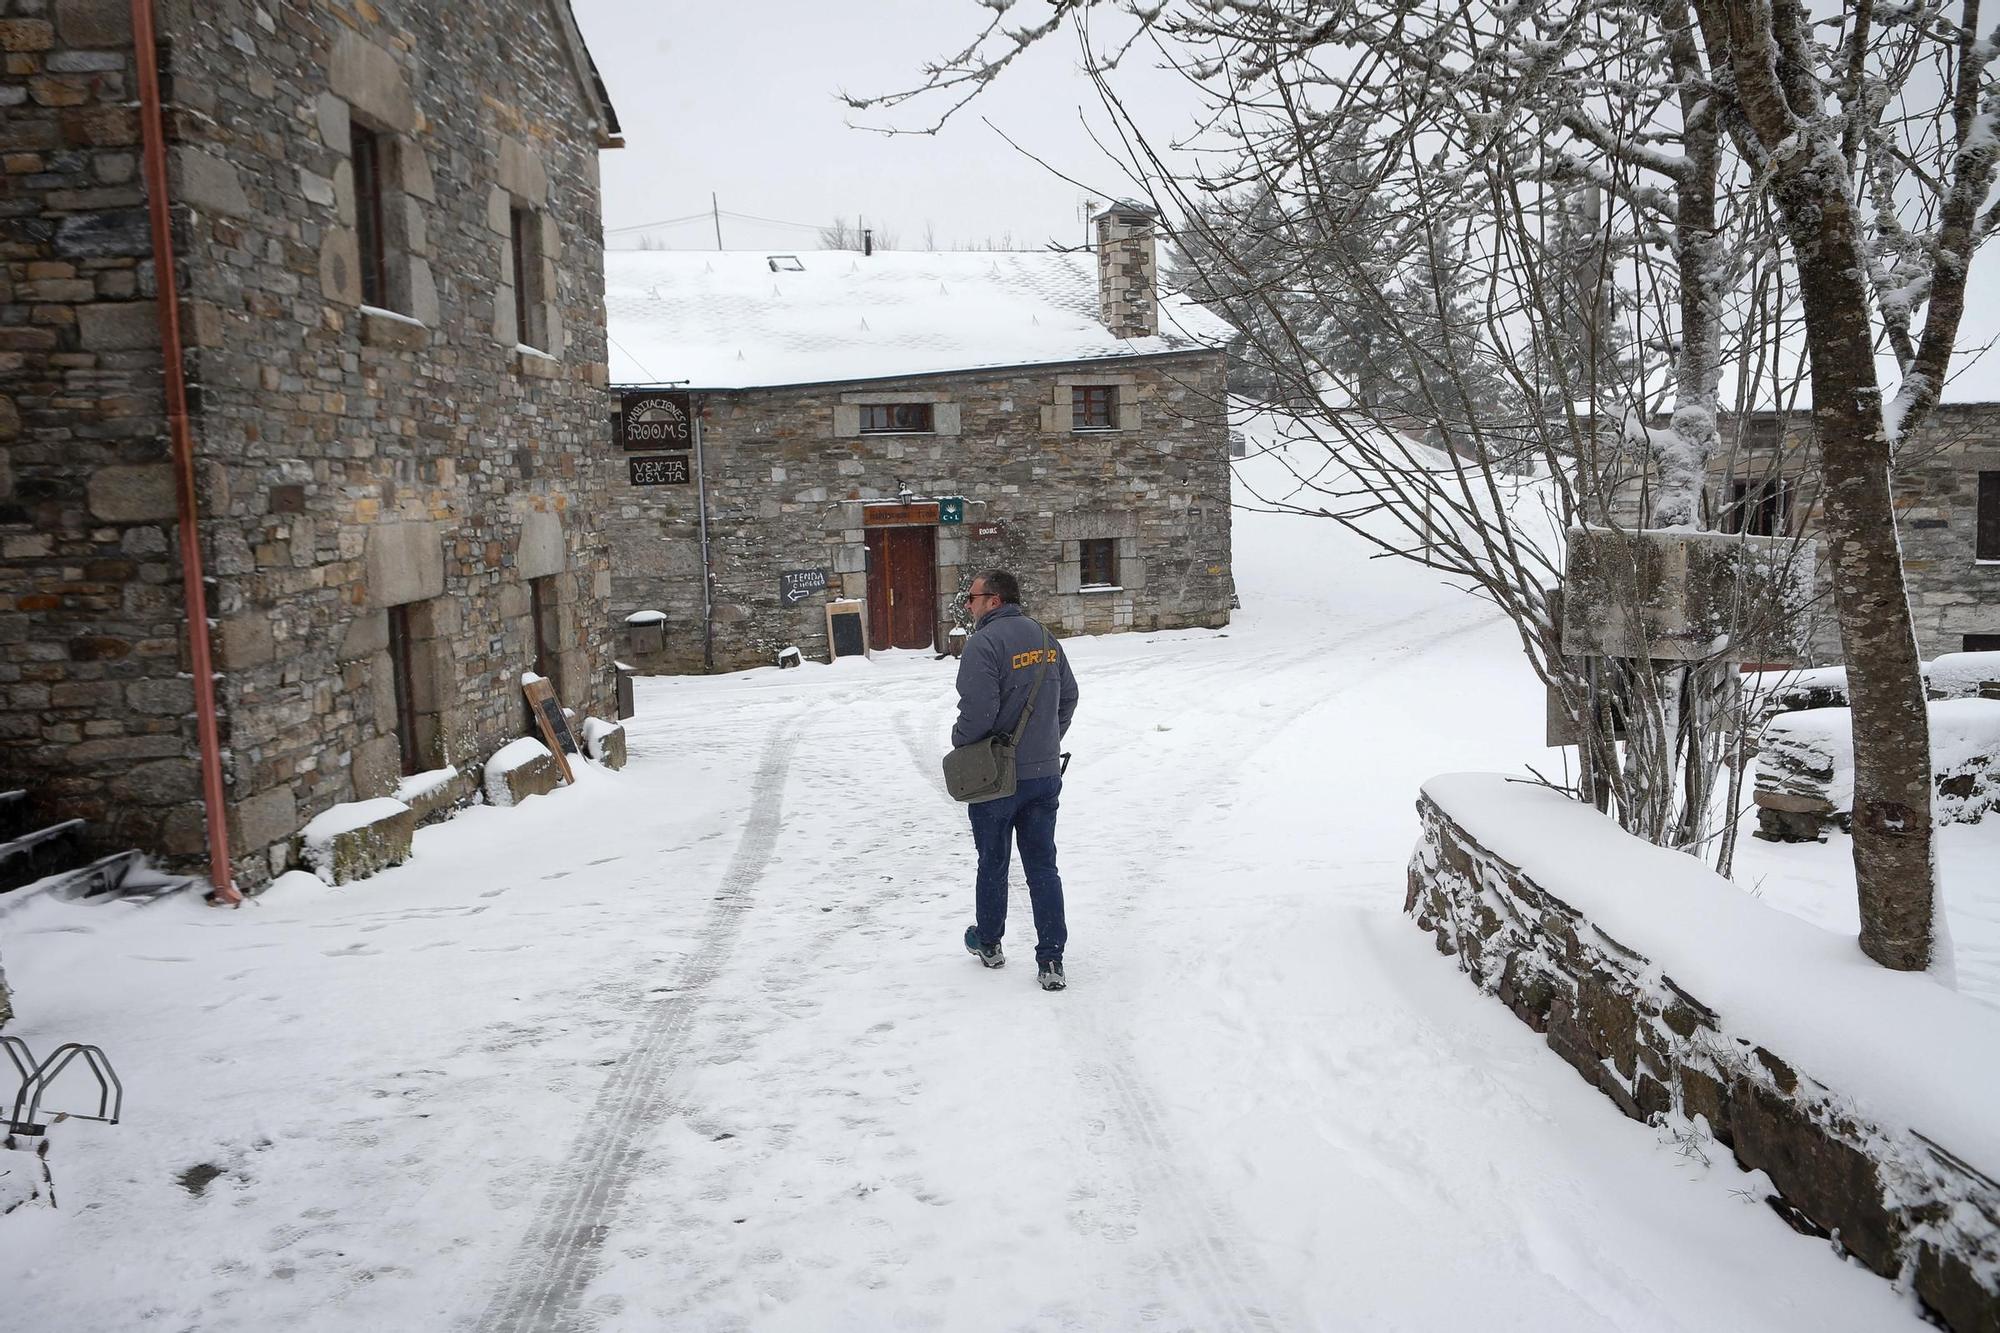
<point>1696,174</point>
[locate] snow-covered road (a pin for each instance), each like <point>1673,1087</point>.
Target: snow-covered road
<point>695,1046</point>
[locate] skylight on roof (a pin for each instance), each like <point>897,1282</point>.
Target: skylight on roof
<point>784,263</point>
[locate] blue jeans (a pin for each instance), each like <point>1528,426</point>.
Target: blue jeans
<point>1029,816</point>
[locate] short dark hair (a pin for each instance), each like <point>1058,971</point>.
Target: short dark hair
<point>1002,584</point>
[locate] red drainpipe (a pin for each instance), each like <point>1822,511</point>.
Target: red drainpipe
<point>193,585</point>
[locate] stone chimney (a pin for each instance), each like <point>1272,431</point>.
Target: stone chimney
<point>1127,295</point>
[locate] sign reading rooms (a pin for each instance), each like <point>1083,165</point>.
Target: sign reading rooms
<point>653,419</point>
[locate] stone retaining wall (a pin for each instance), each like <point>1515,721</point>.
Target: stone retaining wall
<point>1900,1204</point>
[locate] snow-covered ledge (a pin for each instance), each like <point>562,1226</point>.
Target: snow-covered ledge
<point>1865,1096</point>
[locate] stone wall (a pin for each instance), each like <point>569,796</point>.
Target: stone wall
<point>787,472</point>
<point>1898,1202</point>
<point>351,459</point>
<point>94,696</point>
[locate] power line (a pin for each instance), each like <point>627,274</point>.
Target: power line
<point>664,222</point>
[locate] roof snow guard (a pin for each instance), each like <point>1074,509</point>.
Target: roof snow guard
<point>737,320</point>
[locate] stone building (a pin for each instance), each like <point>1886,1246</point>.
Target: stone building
<point>1765,482</point>
<point>386,228</point>
<point>881,426</point>
<point>1947,498</point>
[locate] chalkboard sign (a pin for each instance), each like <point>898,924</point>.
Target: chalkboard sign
<point>551,722</point>
<point>654,419</point>
<point>669,471</point>
<point>846,628</point>
<point>797,585</point>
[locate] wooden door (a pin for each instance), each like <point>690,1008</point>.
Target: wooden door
<point>902,587</point>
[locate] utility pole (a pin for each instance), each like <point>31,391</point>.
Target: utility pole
<point>715,211</point>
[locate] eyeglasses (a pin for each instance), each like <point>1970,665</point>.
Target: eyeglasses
<point>972,597</point>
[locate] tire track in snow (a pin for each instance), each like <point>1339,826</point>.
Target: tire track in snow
<point>1208,1263</point>
<point>561,1252</point>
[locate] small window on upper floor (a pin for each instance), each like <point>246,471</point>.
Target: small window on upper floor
<point>897,419</point>
<point>1986,541</point>
<point>530,319</point>
<point>371,159</point>
<point>1982,643</point>
<point>1093,407</point>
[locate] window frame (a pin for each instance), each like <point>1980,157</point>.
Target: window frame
<point>1083,398</point>
<point>1102,553</point>
<point>891,411</point>
<point>1759,507</point>
<point>1986,518</point>
<point>368,153</point>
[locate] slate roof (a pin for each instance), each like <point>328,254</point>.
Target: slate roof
<point>726,320</point>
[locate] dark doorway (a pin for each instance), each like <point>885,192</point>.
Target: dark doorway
<point>902,587</point>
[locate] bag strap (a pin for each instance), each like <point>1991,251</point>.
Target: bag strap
<point>1041,673</point>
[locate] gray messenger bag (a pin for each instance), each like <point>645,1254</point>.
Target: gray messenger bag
<point>984,770</point>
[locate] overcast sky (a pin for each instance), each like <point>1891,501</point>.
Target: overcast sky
<point>740,99</point>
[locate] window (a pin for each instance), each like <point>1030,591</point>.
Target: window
<point>1099,559</point>
<point>897,418</point>
<point>1986,545</point>
<point>1093,407</point>
<point>784,263</point>
<point>1982,643</point>
<point>370,166</point>
<point>402,668</point>
<point>1759,506</point>
<point>531,326</point>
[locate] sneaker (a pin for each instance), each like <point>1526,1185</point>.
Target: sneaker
<point>1050,975</point>
<point>989,955</point>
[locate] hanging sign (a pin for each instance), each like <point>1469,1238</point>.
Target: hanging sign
<point>671,470</point>
<point>951,509</point>
<point>654,419</point>
<point>798,585</point>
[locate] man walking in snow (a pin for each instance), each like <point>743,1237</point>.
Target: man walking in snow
<point>1007,658</point>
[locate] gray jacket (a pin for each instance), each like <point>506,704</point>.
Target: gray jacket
<point>996,669</point>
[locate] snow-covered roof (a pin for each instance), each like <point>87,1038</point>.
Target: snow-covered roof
<point>728,320</point>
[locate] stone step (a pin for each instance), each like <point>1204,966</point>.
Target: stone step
<point>44,852</point>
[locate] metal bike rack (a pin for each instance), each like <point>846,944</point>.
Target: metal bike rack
<point>36,1076</point>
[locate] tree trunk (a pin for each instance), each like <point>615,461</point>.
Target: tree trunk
<point>1894,871</point>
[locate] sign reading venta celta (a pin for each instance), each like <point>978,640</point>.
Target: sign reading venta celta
<point>655,419</point>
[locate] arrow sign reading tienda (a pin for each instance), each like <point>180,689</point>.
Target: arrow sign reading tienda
<point>797,585</point>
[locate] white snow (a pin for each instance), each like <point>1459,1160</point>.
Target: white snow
<point>517,753</point>
<point>724,320</point>
<point>696,1046</point>
<point>398,316</point>
<point>1890,1041</point>
<point>324,827</point>
<point>419,785</point>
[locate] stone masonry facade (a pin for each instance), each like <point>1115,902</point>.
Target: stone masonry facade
<point>398,502</point>
<point>1953,595</point>
<point>789,477</point>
